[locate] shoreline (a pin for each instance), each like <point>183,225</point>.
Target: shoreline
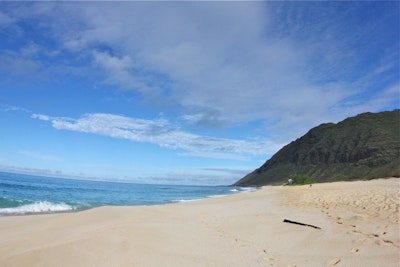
<point>73,207</point>
<point>359,226</point>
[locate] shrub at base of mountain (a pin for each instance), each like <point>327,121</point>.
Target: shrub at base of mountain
<point>299,179</point>
<point>366,146</point>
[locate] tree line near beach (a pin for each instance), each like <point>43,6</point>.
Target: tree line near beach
<point>362,147</point>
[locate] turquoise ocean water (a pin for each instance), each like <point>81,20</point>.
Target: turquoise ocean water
<point>26,194</point>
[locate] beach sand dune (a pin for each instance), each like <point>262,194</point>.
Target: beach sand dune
<point>359,224</point>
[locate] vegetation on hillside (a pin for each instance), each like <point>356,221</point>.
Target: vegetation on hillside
<point>366,146</point>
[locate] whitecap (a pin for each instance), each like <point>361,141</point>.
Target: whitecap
<point>37,207</point>
<point>212,196</point>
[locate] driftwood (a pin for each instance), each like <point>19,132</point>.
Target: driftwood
<point>303,224</point>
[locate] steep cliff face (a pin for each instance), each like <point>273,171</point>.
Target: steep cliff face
<point>362,147</point>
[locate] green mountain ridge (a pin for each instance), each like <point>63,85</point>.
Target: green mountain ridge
<point>366,146</point>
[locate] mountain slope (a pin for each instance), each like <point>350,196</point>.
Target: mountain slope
<point>361,147</point>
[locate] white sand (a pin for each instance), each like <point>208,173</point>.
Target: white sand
<point>359,221</point>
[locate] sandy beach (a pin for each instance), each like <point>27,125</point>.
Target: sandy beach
<point>359,224</point>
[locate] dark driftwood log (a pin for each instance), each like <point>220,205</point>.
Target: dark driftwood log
<point>303,224</point>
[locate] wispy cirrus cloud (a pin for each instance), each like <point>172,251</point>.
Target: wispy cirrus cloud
<point>162,133</point>
<point>221,64</point>
<point>256,62</point>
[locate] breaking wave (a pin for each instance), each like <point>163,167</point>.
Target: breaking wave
<point>37,207</point>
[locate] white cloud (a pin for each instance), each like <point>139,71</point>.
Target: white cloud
<point>229,63</point>
<point>13,108</point>
<point>118,69</point>
<point>215,155</point>
<point>40,117</point>
<point>224,58</point>
<point>162,133</point>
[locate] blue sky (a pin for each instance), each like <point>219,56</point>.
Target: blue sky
<point>184,92</point>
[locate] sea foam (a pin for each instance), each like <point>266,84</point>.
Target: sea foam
<point>37,207</point>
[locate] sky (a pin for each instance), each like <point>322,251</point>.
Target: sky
<point>191,92</point>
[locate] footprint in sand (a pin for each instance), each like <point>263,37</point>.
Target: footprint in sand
<point>354,250</point>
<point>220,233</point>
<point>334,262</point>
<point>388,241</point>
<point>269,259</point>
<point>262,251</point>
<point>239,242</point>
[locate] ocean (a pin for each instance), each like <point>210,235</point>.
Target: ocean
<point>22,194</point>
